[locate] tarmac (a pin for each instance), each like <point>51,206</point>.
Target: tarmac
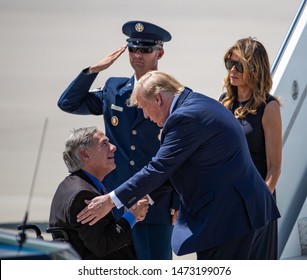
<point>45,44</point>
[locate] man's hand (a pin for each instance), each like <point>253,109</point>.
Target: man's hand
<point>107,61</point>
<point>140,209</point>
<point>96,209</point>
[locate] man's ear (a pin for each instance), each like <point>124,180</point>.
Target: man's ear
<point>158,98</point>
<point>161,53</point>
<point>84,155</point>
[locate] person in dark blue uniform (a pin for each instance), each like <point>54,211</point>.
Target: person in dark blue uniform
<point>137,139</point>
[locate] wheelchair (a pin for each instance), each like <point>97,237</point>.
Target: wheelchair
<point>58,233</point>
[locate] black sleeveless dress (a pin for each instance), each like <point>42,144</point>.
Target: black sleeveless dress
<point>253,129</point>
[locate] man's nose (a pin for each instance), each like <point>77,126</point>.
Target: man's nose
<point>113,148</point>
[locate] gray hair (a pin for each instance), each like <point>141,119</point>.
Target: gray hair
<point>78,140</point>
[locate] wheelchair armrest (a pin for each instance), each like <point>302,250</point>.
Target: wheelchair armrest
<point>56,231</point>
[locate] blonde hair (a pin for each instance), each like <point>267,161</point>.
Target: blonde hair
<point>256,73</point>
<point>154,82</point>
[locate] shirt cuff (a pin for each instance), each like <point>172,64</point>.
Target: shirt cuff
<point>115,200</point>
<point>119,204</point>
<point>130,218</point>
<point>151,202</point>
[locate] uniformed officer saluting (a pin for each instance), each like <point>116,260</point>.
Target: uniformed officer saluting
<point>136,138</point>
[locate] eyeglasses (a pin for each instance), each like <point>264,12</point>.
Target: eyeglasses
<point>229,63</point>
<point>143,49</point>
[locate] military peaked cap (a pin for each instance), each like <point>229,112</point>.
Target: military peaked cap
<point>142,33</point>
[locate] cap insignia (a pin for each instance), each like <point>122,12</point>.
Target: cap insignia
<point>139,27</point>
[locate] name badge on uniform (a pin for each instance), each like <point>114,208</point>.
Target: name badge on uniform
<point>117,108</point>
<point>114,121</point>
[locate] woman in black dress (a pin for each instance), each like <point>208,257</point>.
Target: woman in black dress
<point>248,84</point>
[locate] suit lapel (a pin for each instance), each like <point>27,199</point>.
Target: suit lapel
<point>134,113</point>
<point>127,88</point>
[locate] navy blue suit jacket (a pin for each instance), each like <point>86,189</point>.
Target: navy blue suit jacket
<point>137,139</point>
<point>204,152</point>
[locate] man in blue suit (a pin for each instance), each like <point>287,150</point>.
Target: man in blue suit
<point>137,139</point>
<point>225,204</point>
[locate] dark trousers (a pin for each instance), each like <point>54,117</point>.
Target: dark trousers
<point>254,246</point>
<point>152,242</point>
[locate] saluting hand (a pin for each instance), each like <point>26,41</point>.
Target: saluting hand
<point>96,209</point>
<point>107,61</point>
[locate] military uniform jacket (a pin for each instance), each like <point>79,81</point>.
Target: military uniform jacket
<point>205,154</point>
<point>137,139</point>
<point>107,239</point>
